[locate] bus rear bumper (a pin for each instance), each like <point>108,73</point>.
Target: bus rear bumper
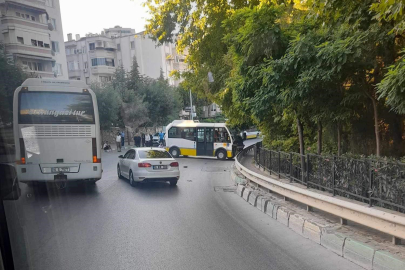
<point>29,173</point>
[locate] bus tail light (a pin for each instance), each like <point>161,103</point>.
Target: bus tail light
<point>144,165</point>
<point>22,151</point>
<point>94,149</point>
<point>174,164</point>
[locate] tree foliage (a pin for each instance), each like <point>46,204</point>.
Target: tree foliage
<point>316,67</point>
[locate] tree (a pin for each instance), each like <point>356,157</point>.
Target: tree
<point>134,77</point>
<point>11,77</point>
<point>109,103</point>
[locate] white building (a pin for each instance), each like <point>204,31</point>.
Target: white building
<point>32,33</point>
<point>96,56</point>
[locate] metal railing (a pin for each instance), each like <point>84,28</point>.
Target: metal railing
<point>380,183</point>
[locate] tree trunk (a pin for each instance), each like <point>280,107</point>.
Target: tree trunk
<point>301,136</point>
<point>319,138</point>
<point>339,139</point>
<point>376,127</point>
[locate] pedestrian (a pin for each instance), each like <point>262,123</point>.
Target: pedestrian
<point>147,140</point>
<point>143,139</point>
<point>137,140</point>
<point>118,141</point>
<point>106,147</point>
<point>161,136</point>
<point>123,139</point>
<point>151,140</point>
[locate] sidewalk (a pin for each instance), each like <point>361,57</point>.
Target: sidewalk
<point>376,244</point>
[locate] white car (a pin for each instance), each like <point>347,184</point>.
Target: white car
<point>148,165</point>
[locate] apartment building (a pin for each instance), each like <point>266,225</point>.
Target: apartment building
<point>96,56</point>
<point>31,31</point>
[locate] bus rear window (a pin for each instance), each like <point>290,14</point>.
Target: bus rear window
<point>55,108</point>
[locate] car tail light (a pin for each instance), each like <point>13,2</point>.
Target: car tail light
<point>144,165</point>
<point>174,164</point>
<point>22,151</point>
<point>94,150</point>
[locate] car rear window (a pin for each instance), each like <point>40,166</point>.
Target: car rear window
<point>154,154</point>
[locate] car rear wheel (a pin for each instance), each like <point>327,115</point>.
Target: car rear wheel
<point>131,179</point>
<point>173,183</point>
<point>175,152</point>
<point>221,154</point>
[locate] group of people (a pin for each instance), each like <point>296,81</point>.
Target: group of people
<point>141,140</point>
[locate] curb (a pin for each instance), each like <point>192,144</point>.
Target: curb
<point>354,251</point>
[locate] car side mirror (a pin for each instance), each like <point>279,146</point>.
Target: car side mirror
<point>9,186</point>
<point>120,156</point>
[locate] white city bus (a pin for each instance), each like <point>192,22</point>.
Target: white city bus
<point>188,138</point>
<point>56,131</point>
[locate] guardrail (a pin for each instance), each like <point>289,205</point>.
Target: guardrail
<point>375,182</point>
<point>387,221</point>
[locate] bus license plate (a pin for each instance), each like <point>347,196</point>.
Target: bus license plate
<point>160,167</point>
<point>61,170</point>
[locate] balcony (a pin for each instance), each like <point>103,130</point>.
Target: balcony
<point>103,70</point>
<point>102,54</point>
<point>33,5</point>
<point>75,73</point>
<point>16,48</point>
<point>22,23</point>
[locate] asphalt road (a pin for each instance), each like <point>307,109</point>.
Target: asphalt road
<point>196,225</point>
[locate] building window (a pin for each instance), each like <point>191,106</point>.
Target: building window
<point>46,45</point>
<point>132,45</point>
<point>33,18</point>
<point>86,65</point>
<point>55,46</point>
<point>53,22</point>
<point>20,40</point>
<point>40,44</point>
<point>92,46</point>
<point>118,47</point>
<point>33,66</point>
<point>58,69</point>
<point>18,14</point>
<point>34,42</point>
<point>73,65</point>
<point>102,62</point>
<point>105,78</point>
<point>49,3</point>
<point>27,16</point>
<point>67,51</point>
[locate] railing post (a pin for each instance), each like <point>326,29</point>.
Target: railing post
<point>270,162</point>
<point>279,165</point>
<point>258,163</point>
<point>307,167</point>
<point>333,176</point>
<point>291,167</point>
<point>370,186</point>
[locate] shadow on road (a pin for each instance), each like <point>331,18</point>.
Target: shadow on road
<point>161,188</point>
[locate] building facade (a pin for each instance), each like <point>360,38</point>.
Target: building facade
<point>94,58</point>
<point>32,33</point>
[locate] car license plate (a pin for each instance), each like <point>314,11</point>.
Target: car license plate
<point>160,167</point>
<point>61,170</point>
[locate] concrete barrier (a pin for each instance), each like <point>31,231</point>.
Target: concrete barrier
<point>254,196</point>
<point>261,204</point>
<point>283,215</point>
<point>385,261</point>
<point>312,231</point>
<point>296,223</point>
<point>239,190</point>
<point>271,209</point>
<point>333,241</point>
<point>358,253</point>
<point>246,193</point>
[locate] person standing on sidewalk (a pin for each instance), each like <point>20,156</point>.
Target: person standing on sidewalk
<point>123,139</point>
<point>161,137</point>
<point>143,139</point>
<point>118,142</point>
<point>147,140</point>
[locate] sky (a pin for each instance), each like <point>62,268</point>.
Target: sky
<point>85,16</point>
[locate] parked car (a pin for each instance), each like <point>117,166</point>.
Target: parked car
<point>148,165</point>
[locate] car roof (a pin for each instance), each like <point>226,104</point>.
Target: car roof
<point>148,148</point>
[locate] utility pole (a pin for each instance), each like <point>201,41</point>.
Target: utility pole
<point>191,108</point>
